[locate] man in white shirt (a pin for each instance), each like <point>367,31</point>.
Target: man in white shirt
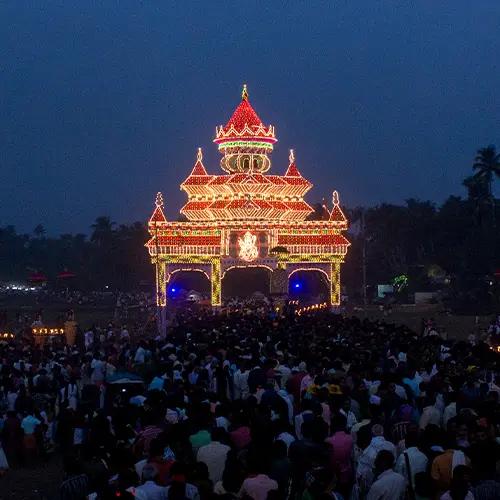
<point>149,490</point>
<point>400,391</point>
<point>240,382</point>
<point>450,410</point>
<point>220,418</point>
<point>283,372</point>
<point>11,399</point>
<point>283,394</point>
<point>214,455</point>
<point>22,366</point>
<point>98,368</point>
<point>389,485</point>
<point>430,415</point>
<point>416,459</point>
<point>300,419</point>
<point>140,354</point>
<point>124,335</point>
<point>413,382</point>
<point>307,380</point>
<point>364,472</point>
<point>88,339</point>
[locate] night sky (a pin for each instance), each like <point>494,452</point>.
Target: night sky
<point>104,103</point>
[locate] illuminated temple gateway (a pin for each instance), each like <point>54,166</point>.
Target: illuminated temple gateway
<point>246,217</point>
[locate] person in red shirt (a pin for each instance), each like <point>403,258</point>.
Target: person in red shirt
<point>295,381</point>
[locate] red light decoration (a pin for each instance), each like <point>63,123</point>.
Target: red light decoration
<point>237,218</point>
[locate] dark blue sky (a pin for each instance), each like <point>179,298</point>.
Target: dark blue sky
<point>104,103</point>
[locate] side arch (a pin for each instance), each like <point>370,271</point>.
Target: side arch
<point>311,281</point>
<point>187,270</point>
<point>310,269</point>
<point>183,277</point>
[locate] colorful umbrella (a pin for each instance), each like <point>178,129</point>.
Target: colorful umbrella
<point>65,275</point>
<point>37,278</point>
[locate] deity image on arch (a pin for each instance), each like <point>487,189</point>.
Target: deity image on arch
<point>248,248</point>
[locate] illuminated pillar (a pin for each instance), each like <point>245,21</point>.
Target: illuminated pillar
<point>161,283</point>
<point>335,283</point>
<point>216,284</point>
<point>279,279</point>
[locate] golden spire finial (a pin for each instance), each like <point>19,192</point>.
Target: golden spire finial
<point>291,157</point>
<point>335,198</point>
<point>159,200</point>
<point>244,93</point>
<point>199,155</point>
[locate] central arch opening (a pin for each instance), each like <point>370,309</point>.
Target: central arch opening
<point>244,281</point>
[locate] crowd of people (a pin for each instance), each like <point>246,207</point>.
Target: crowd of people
<point>258,404</point>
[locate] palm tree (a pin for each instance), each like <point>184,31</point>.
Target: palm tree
<point>487,164</point>
<point>102,230</point>
<point>39,231</point>
<point>477,187</point>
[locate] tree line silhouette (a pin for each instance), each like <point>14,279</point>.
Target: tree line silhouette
<point>459,239</point>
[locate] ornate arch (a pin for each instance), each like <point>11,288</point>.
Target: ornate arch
<point>310,268</point>
<point>188,270</point>
<point>244,266</point>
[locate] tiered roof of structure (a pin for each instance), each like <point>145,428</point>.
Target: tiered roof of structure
<point>248,197</point>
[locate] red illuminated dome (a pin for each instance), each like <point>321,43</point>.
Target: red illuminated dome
<point>245,141</point>
<point>244,115</point>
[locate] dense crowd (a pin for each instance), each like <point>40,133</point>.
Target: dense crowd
<point>258,404</point>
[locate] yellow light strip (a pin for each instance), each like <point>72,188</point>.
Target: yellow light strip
<point>47,331</point>
<point>188,269</point>
<point>216,287</point>
<point>161,283</point>
<point>306,269</point>
<point>335,284</point>
<point>311,308</point>
<point>215,224</point>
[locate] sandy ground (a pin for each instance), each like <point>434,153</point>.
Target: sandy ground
<point>450,326</point>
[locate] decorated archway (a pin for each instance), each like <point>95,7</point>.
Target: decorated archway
<point>242,217</point>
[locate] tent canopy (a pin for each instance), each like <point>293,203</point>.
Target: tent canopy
<point>37,277</point>
<point>65,275</point>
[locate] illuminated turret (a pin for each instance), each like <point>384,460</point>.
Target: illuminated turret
<point>245,142</point>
